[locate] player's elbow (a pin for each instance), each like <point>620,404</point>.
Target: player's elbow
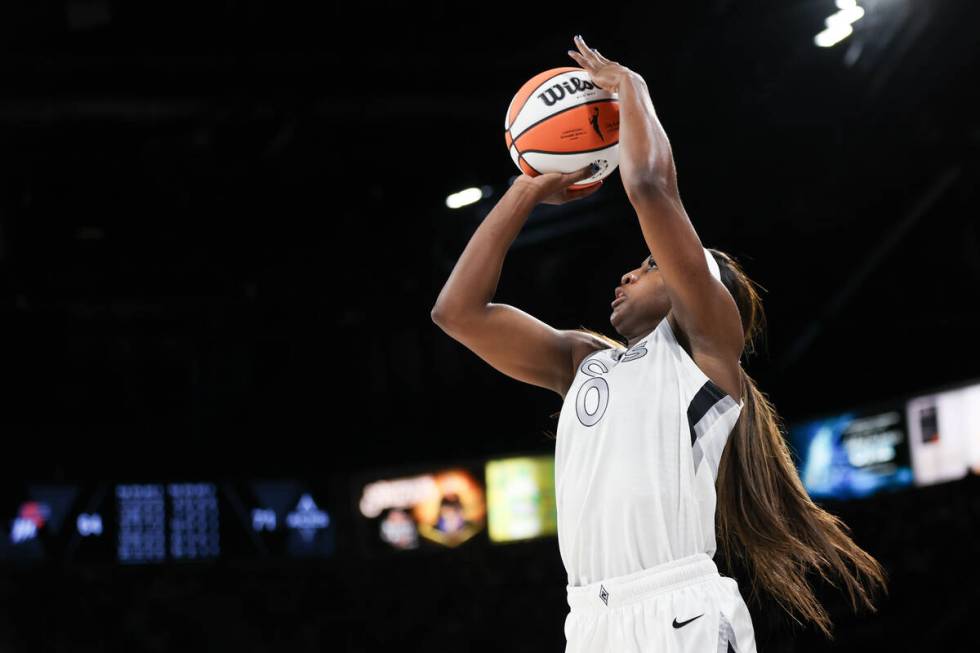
<point>643,190</point>
<point>437,314</point>
<point>442,317</point>
<point>644,183</point>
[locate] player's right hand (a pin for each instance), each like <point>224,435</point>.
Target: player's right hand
<point>553,187</point>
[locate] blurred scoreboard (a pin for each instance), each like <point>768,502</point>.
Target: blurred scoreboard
<point>157,522</point>
<point>853,454</point>
<point>926,439</point>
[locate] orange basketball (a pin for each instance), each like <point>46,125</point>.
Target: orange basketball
<point>560,121</point>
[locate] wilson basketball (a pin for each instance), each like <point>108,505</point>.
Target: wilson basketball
<point>560,121</point>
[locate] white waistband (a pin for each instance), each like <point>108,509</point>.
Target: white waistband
<point>613,592</point>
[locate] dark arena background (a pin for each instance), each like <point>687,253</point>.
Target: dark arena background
<point>223,226</point>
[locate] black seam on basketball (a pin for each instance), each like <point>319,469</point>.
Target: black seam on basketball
<point>529,127</point>
<point>598,149</point>
<point>520,157</point>
<point>531,94</point>
<point>513,144</point>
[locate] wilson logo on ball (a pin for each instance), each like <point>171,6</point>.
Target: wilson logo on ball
<point>557,92</point>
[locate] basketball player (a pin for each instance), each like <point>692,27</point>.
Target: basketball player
<point>661,441</point>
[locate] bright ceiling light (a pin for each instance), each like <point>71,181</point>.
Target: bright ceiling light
<point>833,35</point>
<point>845,16</point>
<point>464,197</point>
<point>839,24</point>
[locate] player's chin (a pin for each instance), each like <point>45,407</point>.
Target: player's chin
<point>616,317</point>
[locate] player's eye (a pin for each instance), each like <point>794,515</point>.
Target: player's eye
<point>651,263</point>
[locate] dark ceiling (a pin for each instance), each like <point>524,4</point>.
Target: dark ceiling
<point>222,227</point>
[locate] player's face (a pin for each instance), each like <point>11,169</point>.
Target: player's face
<point>641,301</point>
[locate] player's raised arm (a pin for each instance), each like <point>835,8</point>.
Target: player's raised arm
<point>512,341</point>
<point>700,303</point>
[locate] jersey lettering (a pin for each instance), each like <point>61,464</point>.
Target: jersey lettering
<point>595,368</point>
<point>596,383</point>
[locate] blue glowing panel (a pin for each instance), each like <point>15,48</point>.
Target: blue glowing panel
<point>288,517</point>
<point>853,454</point>
<point>159,522</point>
<point>194,526</point>
<point>141,523</point>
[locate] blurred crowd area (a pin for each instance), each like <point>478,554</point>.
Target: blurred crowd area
<point>479,597</point>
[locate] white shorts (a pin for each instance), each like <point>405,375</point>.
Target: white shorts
<point>681,606</point>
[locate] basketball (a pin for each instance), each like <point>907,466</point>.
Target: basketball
<point>560,121</point>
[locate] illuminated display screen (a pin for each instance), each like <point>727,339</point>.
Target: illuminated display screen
<point>852,455</point>
<point>521,498</point>
<point>141,530</point>
<point>42,512</point>
<point>194,528</point>
<point>159,523</point>
<point>288,518</point>
<point>425,510</point>
<point>944,434</point>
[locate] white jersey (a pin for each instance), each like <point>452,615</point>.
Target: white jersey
<point>639,439</point>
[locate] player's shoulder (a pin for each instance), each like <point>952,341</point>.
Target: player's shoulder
<point>585,342</point>
<point>580,344</point>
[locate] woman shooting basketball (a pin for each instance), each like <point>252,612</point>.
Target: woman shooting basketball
<point>667,443</point>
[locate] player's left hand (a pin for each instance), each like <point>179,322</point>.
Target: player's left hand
<point>605,73</point>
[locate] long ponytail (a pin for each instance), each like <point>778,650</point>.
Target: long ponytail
<point>766,521</point>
